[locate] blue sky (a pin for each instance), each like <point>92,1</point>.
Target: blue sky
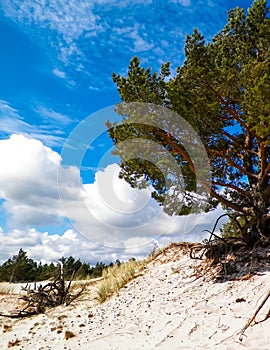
<point>56,62</point>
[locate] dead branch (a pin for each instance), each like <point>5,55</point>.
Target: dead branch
<point>254,316</point>
<point>50,295</point>
<point>208,242</point>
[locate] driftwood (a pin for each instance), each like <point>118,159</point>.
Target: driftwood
<point>50,295</point>
<point>252,319</point>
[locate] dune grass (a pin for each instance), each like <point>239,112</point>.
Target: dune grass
<point>5,289</point>
<point>115,277</point>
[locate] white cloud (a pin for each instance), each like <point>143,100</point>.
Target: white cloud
<point>115,218</point>
<point>59,73</point>
<point>50,132</point>
<point>28,181</point>
<point>186,3</point>
<point>67,19</point>
<point>47,248</point>
<point>11,121</point>
<point>76,36</point>
<point>80,34</point>
<point>140,44</point>
<point>53,116</point>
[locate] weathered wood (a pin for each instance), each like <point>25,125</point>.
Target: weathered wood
<point>51,294</point>
<point>254,316</point>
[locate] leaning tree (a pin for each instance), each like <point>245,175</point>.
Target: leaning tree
<point>223,91</point>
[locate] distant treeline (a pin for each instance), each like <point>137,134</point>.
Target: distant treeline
<point>20,268</point>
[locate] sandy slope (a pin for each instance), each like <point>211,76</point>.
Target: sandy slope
<point>173,304</point>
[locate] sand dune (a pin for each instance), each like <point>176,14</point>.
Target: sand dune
<point>173,304</point>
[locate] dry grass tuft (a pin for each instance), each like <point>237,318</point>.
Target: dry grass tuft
<point>4,289</point>
<point>115,277</point>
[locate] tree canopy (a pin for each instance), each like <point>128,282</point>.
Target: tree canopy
<point>20,268</point>
<point>222,91</point>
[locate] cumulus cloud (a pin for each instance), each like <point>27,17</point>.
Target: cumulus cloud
<point>110,212</point>
<point>107,216</point>
<point>45,247</point>
<point>28,182</point>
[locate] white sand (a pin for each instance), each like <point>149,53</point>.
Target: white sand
<point>172,305</point>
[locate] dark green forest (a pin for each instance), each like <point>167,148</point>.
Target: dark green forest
<point>21,268</point>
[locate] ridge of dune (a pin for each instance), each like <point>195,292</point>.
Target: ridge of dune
<point>175,303</point>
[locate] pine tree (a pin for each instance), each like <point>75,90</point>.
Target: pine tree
<point>223,91</point>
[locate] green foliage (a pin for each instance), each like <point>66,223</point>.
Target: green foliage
<point>232,228</point>
<point>45,272</point>
<point>23,269</point>
<point>222,90</point>
<point>18,269</point>
<point>97,270</point>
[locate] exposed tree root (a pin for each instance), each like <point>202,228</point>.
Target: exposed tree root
<point>50,295</point>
